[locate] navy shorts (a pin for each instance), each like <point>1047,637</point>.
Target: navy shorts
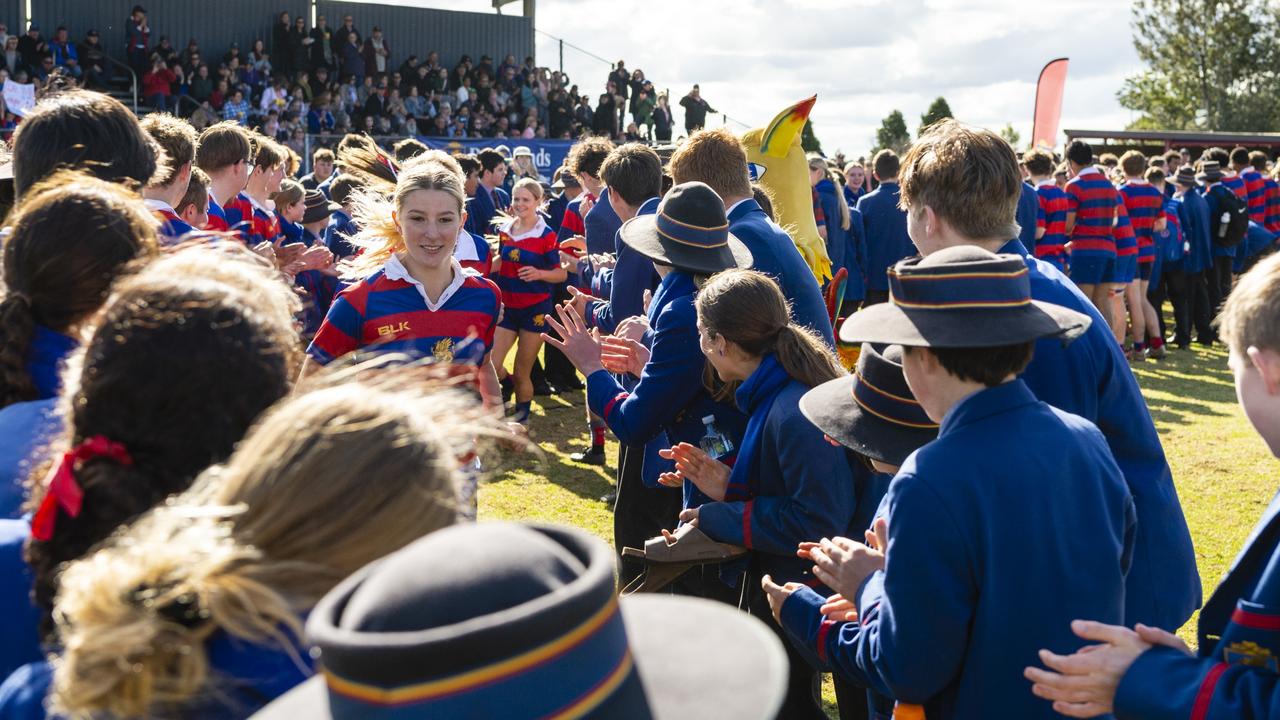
<point>1123,271</point>
<point>528,319</point>
<point>1145,269</point>
<point>1091,269</point>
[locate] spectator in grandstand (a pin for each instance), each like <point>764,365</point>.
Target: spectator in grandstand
<point>236,108</point>
<point>376,53</point>
<point>695,110</point>
<point>65,55</point>
<point>353,63</point>
<point>11,58</point>
<point>137,39</point>
<point>321,44</point>
<point>201,84</point>
<point>33,47</point>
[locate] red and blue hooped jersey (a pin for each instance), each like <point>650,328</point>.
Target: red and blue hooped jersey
<point>217,217</point>
<point>1126,240</point>
<point>1255,195</point>
<point>1236,184</point>
<point>388,312</point>
<point>536,248</point>
<point>1094,201</point>
<point>1144,205</point>
<point>172,227</point>
<point>254,224</point>
<point>1054,206</point>
<point>1271,216</point>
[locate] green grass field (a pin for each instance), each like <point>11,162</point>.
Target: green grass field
<point>1224,474</point>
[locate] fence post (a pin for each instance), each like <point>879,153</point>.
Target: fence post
<point>306,157</point>
<point>561,55</point>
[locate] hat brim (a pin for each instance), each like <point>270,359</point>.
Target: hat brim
<point>740,670</point>
<point>330,208</point>
<point>831,407</point>
<point>641,234</point>
<point>1202,177</point>
<point>889,324</point>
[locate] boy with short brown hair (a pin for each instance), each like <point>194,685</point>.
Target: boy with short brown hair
<point>193,208</point>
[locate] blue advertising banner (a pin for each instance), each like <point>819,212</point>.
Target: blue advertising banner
<point>547,154</point>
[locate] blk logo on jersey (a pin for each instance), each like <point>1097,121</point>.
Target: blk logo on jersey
<point>389,330</point>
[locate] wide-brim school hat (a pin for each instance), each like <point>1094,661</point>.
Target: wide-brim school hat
<point>1185,176</point>
<point>506,620</point>
<point>872,411</point>
<point>961,297</point>
<point>690,232</point>
<point>1210,171</point>
<point>318,207</point>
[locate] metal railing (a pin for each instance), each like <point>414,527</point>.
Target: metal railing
<point>133,75</point>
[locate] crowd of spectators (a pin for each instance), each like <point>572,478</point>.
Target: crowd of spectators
<point>296,80</point>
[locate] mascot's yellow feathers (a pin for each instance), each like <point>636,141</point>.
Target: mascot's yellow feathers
<point>780,166</point>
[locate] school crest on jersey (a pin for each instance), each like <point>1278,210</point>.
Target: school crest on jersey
<point>443,350</point>
<point>514,255</point>
<point>1250,654</point>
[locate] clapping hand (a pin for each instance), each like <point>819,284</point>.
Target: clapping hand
<point>843,564</point>
<point>693,464</point>
<point>580,345</point>
<point>623,356</point>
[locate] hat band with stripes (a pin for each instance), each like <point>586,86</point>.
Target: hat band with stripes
<point>995,289</point>
<point>890,407</point>
<point>692,235</point>
<point>566,677</point>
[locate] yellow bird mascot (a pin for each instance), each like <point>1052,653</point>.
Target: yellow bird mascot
<point>778,163</point>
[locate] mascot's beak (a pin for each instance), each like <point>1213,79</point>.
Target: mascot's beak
<point>785,128</point>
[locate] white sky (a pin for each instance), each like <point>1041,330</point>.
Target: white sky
<point>863,58</point>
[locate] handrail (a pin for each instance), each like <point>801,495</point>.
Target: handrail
<point>178,104</point>
<point>132,73</point>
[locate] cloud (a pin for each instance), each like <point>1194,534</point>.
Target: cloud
<point>864,58</point>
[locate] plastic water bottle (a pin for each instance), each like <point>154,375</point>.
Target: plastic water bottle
<point>1222,226</point>
<point>714,443</point>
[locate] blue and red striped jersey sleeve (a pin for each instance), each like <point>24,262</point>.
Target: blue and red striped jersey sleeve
<point>339,334</point>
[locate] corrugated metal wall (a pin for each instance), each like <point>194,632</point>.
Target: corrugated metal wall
<point>417,31</point>
<point>11,15</point>
<point>215,25</point>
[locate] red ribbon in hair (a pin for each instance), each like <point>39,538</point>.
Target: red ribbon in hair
<point>62,489</point>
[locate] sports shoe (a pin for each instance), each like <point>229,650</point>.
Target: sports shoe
<point>594,456</point>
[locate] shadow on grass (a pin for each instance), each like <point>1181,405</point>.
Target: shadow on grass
<point>561,429</point>
<point>1187,385</point>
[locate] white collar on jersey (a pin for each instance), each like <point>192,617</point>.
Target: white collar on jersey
<point>395,270</point>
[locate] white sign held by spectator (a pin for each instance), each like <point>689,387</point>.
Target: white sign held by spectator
<point>19,97</point>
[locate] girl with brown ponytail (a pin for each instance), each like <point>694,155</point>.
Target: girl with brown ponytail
<point>178,365</point>
<point>788,483</point>
<point>57,273</point>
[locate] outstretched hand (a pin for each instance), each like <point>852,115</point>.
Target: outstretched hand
<point>579,344</point>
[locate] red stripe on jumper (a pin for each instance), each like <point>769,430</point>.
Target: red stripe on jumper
<point>823,630</point>
<point>1255,621</point>
<point>1204,696</point>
